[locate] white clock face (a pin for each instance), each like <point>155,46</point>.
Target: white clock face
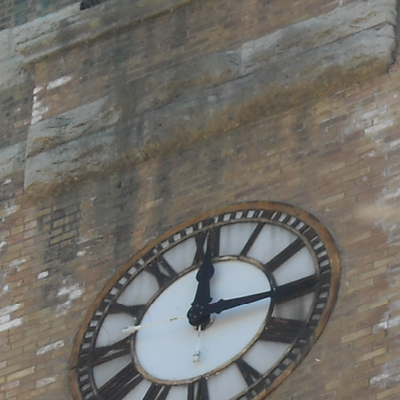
<point>138,341</point>
<point>166,351</point>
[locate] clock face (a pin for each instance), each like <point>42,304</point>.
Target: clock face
<point>221,307</point>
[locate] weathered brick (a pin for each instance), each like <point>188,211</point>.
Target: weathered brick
<point>356,335</point>
<point>388,392</point>
<point>8,386</point>
<point>20,374</point>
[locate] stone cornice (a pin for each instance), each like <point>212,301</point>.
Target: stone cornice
<point>71,27</point>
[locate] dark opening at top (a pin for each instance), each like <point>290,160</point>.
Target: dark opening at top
<point>89,3</point>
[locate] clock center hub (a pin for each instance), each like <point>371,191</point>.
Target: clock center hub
<point>205,323</point>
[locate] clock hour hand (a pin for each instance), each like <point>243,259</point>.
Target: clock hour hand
<point>282,293</point>
<point>202,296</point>
<point>203,276</point>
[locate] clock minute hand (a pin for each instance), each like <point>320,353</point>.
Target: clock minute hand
<point>281,293</point>
<point>222,305</point>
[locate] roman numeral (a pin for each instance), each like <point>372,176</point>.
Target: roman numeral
<point>200,240</point>
<point>214,240</point>
<point>100,355</point>
<point>135,311</point>
<point>121,384</point>
<point>162,271</point>
<point>284,255</point>
<point>295,289</point>
<point>252,239</point>
<point>252,378</point>
<point>281,330</point>
<point>198,390</point>
<point>157,392</point>
<point>249,374</point>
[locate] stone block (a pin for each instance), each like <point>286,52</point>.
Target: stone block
<point>12,159</point>
<point>12,72</point>
<point>72,125</point>
<point>310,34</point>
<point>165,86</point>
<point>57,168</point>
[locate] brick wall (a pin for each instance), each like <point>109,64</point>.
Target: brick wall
<point>336,156</point>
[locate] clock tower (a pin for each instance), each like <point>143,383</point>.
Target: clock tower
<point>166,165</point>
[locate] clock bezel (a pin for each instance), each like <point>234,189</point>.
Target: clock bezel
<point>273,207</point>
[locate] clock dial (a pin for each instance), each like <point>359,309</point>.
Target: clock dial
<point>223,306</point>
<point>221,342</point>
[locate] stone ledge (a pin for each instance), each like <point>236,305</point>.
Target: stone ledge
<point>71,26</point>
<point>313,75</point>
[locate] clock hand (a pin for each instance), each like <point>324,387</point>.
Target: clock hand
<point>222,305</point>
<point>202,296</point>
<point>196,354</point>
<point>203,276</point>
<point>133,328</point>
<point>282,293</point>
